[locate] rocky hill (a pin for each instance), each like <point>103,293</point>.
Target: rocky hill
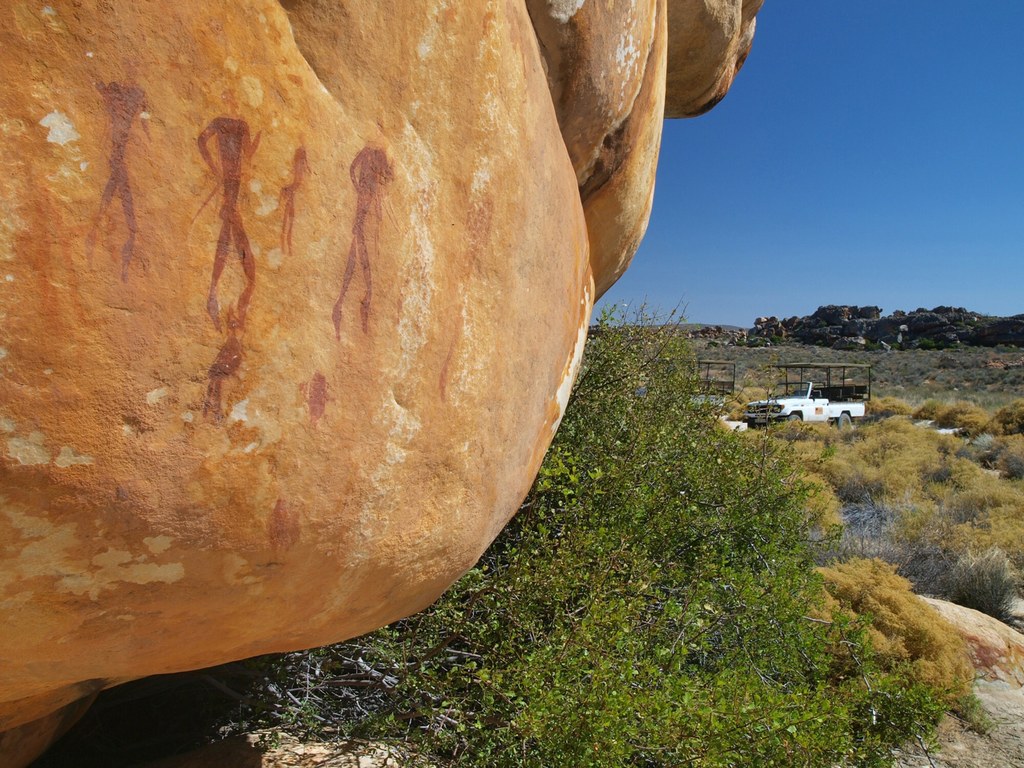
<point>852,327</point>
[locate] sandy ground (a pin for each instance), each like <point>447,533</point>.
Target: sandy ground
<point>959,747</point>
<point>286,752</point>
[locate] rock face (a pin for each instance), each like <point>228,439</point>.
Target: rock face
<point>293,296</point>
<point>606,71</point>
<point>707,47</point>
<point>997,651</point>
<point>844,327</point>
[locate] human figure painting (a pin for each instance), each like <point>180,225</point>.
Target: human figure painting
<point>300,166</point>
<point>225,365</point>
<point>234,148</point>
<point>124,102</point>
<point>370,172</point>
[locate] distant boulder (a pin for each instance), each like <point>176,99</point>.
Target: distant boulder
<point>841,325</point>
<point>856,342</point>
<point>1008,331</point>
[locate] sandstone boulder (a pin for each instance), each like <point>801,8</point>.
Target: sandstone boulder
<point>293,295</point>
<point>709,41</point>
<point>287,325</point>
<point>606,71</point>
<point>997,651</point>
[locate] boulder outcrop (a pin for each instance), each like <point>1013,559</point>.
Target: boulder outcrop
<point>709,40</point>
<point>293,295</point>
<point>846,326</point>
<point>996,650</point>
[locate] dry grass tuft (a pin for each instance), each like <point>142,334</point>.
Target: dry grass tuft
<point>986,583</point>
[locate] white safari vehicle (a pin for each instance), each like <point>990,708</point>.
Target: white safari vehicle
<point>815,392</point>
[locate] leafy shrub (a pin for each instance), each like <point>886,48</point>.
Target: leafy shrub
<point>650,605</point>
<point>905,629</point>
<point>985,582</point>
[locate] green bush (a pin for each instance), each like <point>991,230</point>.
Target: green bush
<point>652,604</point>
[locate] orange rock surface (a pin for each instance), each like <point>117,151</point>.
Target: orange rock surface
<point>292,297</point>
<point>997,651</point>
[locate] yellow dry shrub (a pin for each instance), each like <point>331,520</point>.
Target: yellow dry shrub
<point>738,402</point>
<point>980,493</point>
<point>823,505</point>
<point>1008,420</point>
<point>929,410</point>
<point>1010,457</point>
<point>919,525</point>
<point>1005,531</point>
<point>890,461</point>
<point>991,512</point>
<point>888,406</point>
<point>971,418</point>
<point>904,628</point>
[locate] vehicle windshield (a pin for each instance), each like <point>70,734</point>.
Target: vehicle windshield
<point>797,390</point>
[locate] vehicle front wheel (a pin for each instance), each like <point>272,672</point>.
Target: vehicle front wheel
<point>794,417</point>
<point>844,422</point>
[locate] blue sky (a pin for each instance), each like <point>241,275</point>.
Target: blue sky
<point>869,152</point>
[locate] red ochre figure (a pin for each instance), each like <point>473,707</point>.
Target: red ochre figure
<point>317,397</point>
<point>371,171</point>
<point>226,364</point>
<point>124,102</point>
<point>287,199</point>
<point>233,146</point>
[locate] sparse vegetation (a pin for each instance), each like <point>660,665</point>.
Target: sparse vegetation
<point>925,502</point>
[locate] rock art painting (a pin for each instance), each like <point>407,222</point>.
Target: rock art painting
<point>283,526</point>
<point>300,166</point>
<point>234,147</point>
<point>316,397</point>
<point>226,364</point>
<point>124,102</point>
<point>478,225</point>
<point>370,172</point>
<point>193,469</point>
